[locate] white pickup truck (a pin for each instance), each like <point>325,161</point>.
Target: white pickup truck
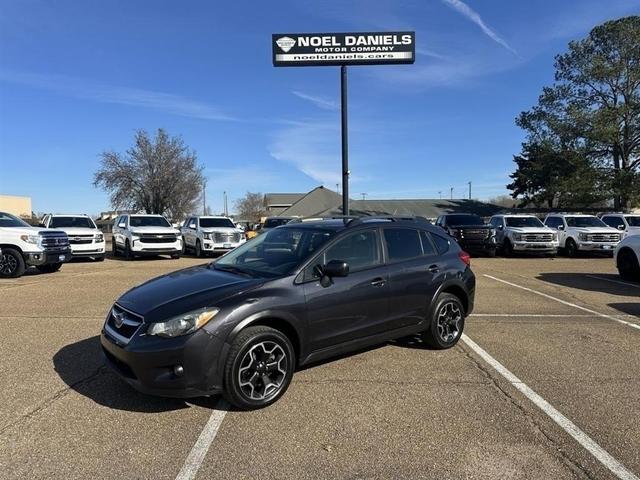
<point>583,233</point>
<point>84,237</point>
<point>145,235</point>
<point>524,233</point>
<point>628,224</point>
<point>207,234</point>
<point>23,245</point>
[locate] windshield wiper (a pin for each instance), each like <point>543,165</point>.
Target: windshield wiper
<point>232,269</point>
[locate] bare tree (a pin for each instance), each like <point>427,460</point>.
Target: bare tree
<point>251,206</point>
<point>159,175</point>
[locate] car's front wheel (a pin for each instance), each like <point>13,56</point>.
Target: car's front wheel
<point>11,263</point>
<point>628,265</point>
<point>259,368</point>
<point>447,323</point>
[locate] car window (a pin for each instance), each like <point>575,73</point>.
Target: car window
<point>216,223</point>
<point>553,222</point>
<point>71,222</point>
<point>360,250</point>
<point>523,222</point>
<point>633,220</point>
<point>614,222</point>
<point>495,221</point>
<point>427,244</point>
<point>402,243</point>
<point>442,244</point>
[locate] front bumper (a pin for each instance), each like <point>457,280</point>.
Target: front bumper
<point>211,246</point>
<point>47,257</point>
<point>141,248</point>
<point>147,363</point>
<point>547,247</point>
<point>96,249</point>
<point>596,246</point>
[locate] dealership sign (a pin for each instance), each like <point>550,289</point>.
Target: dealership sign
<point>363,48</point>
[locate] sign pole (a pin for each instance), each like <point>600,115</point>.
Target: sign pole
<point>345,140</point>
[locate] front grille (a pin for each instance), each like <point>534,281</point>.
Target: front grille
<point>604,237</point>
<point>227,237</point>
<point>476,234</point>
<point>158,238</point>
<point>81,239</point>
<point>122,324</point>
<point>54,241</point>
<point>538,237</point>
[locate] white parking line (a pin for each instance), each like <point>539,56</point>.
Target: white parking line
<point>598,314</point>
<point>620,282</point>
<point>563,422</point>
<point>528,315</point>
<point>201,447</point>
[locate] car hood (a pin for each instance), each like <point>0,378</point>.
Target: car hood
<point>530,230</point>
<point>221,230</point>
<point>183,291</point>
<point>595,230</point>
<point>78,231</point>
<point>163,230</point>
<point>25,230</point>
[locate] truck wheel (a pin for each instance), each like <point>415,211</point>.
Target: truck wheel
<point>114,248</point>
<point>198,249</point>
<point>259,368</point>
<point>128,254</point>
<point>570,247</point>
<point>175,256</point>
<point>508,248</point>
<point>184,246</point>
<point>447,323</point>
<point>628,266</point>
<point>11,263</point>
<point>49,268</point>
<point>491,253</point>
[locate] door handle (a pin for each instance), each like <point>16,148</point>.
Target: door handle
<point>378,282</point>
<point>433,268</point>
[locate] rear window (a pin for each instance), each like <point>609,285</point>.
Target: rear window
<point>402,243</point>
<point>442,244</point>
<point>427,244</point>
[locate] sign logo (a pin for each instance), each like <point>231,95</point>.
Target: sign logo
<point>118,319</point>
<point>285,43</point>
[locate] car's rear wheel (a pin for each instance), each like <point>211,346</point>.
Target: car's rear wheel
<point>114,248</point>
<point>259,368</point>
<point>49,268</point>
<point>447,324</point>
<point>198,249</point>
<point>628,266</point>
<point>128,254</point>
<point>507,250</point>
<point>11,263</point>
<point>570,247</point>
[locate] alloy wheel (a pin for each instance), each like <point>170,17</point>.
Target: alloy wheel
<point>448,323</point>
<point>8,264</point>
<point>263,370</point>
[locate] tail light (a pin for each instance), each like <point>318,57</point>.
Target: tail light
<point>465,257</point>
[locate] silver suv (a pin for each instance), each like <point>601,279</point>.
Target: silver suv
<point>211,234</point>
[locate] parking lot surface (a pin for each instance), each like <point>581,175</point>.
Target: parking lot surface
<point>565,329</point>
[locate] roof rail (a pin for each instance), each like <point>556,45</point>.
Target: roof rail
<point>390,218</point>
<point>313,219</point>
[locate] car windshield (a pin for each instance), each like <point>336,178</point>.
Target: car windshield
<point>140,221</point>
<point>7,220</point>
<point>633,220</point>
<point>216,223</point>
<point>520,222</point>
<point>72,222</point>
<point>275,253</point>
<point>585,222</point>
<point>464,220</point>
<point>275,222</point>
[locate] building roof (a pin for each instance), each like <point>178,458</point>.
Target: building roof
<point>281,199</point>
<point>311,204</point>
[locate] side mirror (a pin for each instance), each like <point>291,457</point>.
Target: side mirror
<point>122,225</point>
<point>560,227</point>
<point>42,225</point>
<point>336,268</point>
<point>500,227</point>
<point>621,227</point>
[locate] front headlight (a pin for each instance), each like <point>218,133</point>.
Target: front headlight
<point>583,236</point>
<point>183,324</point>
<point>554,237</point>
<point>99,237</point>
<point>35,239</point>
<point>206,236</point>
<point>517,237</point>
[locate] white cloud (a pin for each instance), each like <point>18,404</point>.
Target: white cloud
<point>92,90</point>
<point>475,17</point>
<point>318,101</point>
<point>430,53</point>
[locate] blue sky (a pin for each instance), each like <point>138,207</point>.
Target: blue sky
<point>77,78</point>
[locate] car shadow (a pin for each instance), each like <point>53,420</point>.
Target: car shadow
<point>627,308</point>
<point>582,281</point>
<point>82,367</point>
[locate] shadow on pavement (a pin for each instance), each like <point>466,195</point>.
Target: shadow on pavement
<point>628,308</point>
<point>581,281</point>
<point>81,366</point>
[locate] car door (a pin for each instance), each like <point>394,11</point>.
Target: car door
<point>351,307</point>
<point>414,272</point>
<point>498,224</point>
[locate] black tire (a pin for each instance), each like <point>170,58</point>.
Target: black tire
<point>184,246</point>
<point>49,268</point>
<point>443,333</point>
<point>570,248</point>
<point>114,248</point>
<point>98,259</point>
<point>245,396</point>
<point>128,254</point>
<point>491,253</point>
<point>198,249</point>
<point>628,266</point>
<point>507,250</point>
<point>11,263</point>
<point>175,256</point>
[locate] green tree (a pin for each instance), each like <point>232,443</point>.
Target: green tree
<point>159,175</point>
<point>593,108</point>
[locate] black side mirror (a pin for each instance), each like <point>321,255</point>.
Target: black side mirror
<point>335,268</point>
<point>621,227</point>
<point>500,227</point>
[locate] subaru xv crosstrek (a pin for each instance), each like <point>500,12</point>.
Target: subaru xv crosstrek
<point>300,293</point>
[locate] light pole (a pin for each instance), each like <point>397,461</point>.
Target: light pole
<point>469,190</point>
<point>204,197</point>
<point>364,196</point>
<point>451,193</point>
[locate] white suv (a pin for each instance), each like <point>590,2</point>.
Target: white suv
<point>583,233</point>
<point>139,235</point>
<point>627,258</point>
<point>524,233</point>
<point>211,234</point>
<point>626,223</point>
<point>84,237</point>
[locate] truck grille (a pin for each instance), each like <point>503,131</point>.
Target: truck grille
<point>122,324</point>
<point>538,237</point>
<point>227,237</point>
<point>53,241</point>
<point>604,237</point>
<point>81,239</point>
<point>473,234</point>
<point>158,238</point>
